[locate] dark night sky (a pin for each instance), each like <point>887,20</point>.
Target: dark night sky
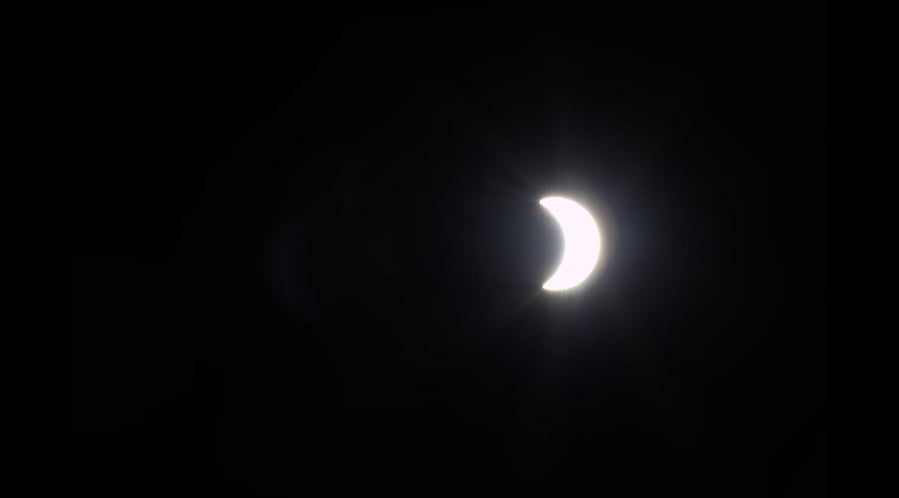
<point>308,251</point>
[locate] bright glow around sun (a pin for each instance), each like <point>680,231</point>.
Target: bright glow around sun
<point>582,243</point>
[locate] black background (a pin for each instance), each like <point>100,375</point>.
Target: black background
<point>308,250</point>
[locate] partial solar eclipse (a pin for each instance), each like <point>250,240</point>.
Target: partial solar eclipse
<point>582,243</point>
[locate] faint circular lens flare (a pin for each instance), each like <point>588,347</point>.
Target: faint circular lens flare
<point>582,243</point>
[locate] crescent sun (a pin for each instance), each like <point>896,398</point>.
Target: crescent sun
<point>582,243</point>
